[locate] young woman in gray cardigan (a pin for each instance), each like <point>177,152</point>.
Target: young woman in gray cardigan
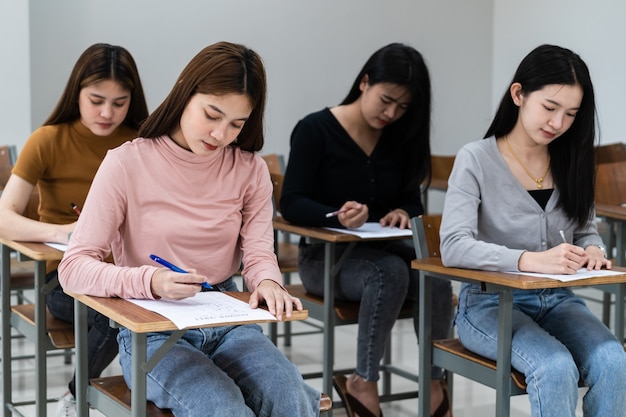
<point>522,200</point>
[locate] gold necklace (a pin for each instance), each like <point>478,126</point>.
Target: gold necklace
<point>539,180</point>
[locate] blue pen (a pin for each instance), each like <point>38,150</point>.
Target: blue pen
<point>174,268</point>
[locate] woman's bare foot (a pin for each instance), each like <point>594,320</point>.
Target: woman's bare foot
<point>437,397</point>
<point>364,391</point>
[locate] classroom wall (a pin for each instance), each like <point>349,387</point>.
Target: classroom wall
<point>14,72</point>
<point>312,50</point>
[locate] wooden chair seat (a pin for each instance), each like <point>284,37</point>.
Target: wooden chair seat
<point>61,333</point>
<point>455,347</point>
<point>115,387</point>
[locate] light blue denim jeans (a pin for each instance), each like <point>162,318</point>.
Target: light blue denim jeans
<point>557,341</point>
<point>379,275</point>
<point>230,371</point>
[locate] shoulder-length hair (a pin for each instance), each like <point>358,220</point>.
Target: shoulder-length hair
<point>403,65</point>
<point>571,154</point>
<point>221,68</point>
<point>101,62</point>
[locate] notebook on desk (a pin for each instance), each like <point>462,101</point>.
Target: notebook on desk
<point>374,230</point>
<point>211,307</point>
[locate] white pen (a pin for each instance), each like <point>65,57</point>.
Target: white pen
<point>563,236</point>
<point>335,213</point>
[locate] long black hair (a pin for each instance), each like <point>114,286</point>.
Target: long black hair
<point>403,65</point>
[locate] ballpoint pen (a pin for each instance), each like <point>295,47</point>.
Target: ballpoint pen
<point>563,236</point>
<point>174,268</point>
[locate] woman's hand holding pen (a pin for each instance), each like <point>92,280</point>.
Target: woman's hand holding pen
<point>169,285</point>
<point>562,259</point>
<point>353,214</point>
<point>276,298</point>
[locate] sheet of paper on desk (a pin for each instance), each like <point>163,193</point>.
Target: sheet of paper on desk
<point>580,274</point>
<point>211,307</point>
<point>57,246</point>
<point>374,229</point>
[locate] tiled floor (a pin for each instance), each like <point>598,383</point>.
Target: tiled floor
<point>470,399</point>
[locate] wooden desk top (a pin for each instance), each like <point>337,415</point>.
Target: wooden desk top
<point>140,320</point>
<point>34,250</point>
<point>516,281</point>
<point>326,235</point>
<point>613,211</point>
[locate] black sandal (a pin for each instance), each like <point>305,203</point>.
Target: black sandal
<point>444,407</point>
<point>350,402</point>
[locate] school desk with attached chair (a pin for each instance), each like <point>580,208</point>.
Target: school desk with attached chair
<point>449,354</point>
<point>32,320</point>
<point>110,395</point>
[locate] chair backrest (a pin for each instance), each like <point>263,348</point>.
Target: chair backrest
<point>275,163</point>
<point>6,164</point>
<point>277,182</point>
<point>611,183</point>
<point>613,152</point>
<point>441,169</point>
<point>276,166</point>
<point>426,235</point>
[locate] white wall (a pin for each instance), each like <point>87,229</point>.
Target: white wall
<point>14,72</point>
<point>595,30</point>
<point>312,50</point>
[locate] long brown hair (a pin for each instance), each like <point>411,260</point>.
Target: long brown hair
<point>221,68</point>
<point>97,63</point>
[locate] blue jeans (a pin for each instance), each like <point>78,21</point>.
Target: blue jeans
<point>379,275</point>
<point>557,341</point>
<point>230,371</point>
<point>101,339</point>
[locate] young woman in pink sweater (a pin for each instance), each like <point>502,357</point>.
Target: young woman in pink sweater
<point>194,190</point>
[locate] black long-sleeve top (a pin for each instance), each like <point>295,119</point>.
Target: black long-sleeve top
<point>326,168</point>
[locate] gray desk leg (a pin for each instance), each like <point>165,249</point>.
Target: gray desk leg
<point>329,319</point>
<point>619,243</point>
<point>503,372</point>
<point>41,338</point>
<point>80,332</point>
<point>619,312</point>
<point>425,344</point>
<point>138,377</point>
<point>621,291</point>
<point>6,330</point>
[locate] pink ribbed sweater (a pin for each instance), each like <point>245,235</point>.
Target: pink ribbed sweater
<point>152,196</point>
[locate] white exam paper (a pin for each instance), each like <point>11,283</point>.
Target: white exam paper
<point>374,229</point>
<point>57,246</point>
<point>580,274</point>
<point>211,307</point>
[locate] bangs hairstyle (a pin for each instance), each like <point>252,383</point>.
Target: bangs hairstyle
<point>571,154</point>
<point>221,68</point>
<point>403,65</point>
<point>102,62</point>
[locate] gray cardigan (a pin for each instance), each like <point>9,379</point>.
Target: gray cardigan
<point>489,219</point>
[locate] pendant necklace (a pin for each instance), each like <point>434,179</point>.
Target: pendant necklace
<point>538,181</point>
